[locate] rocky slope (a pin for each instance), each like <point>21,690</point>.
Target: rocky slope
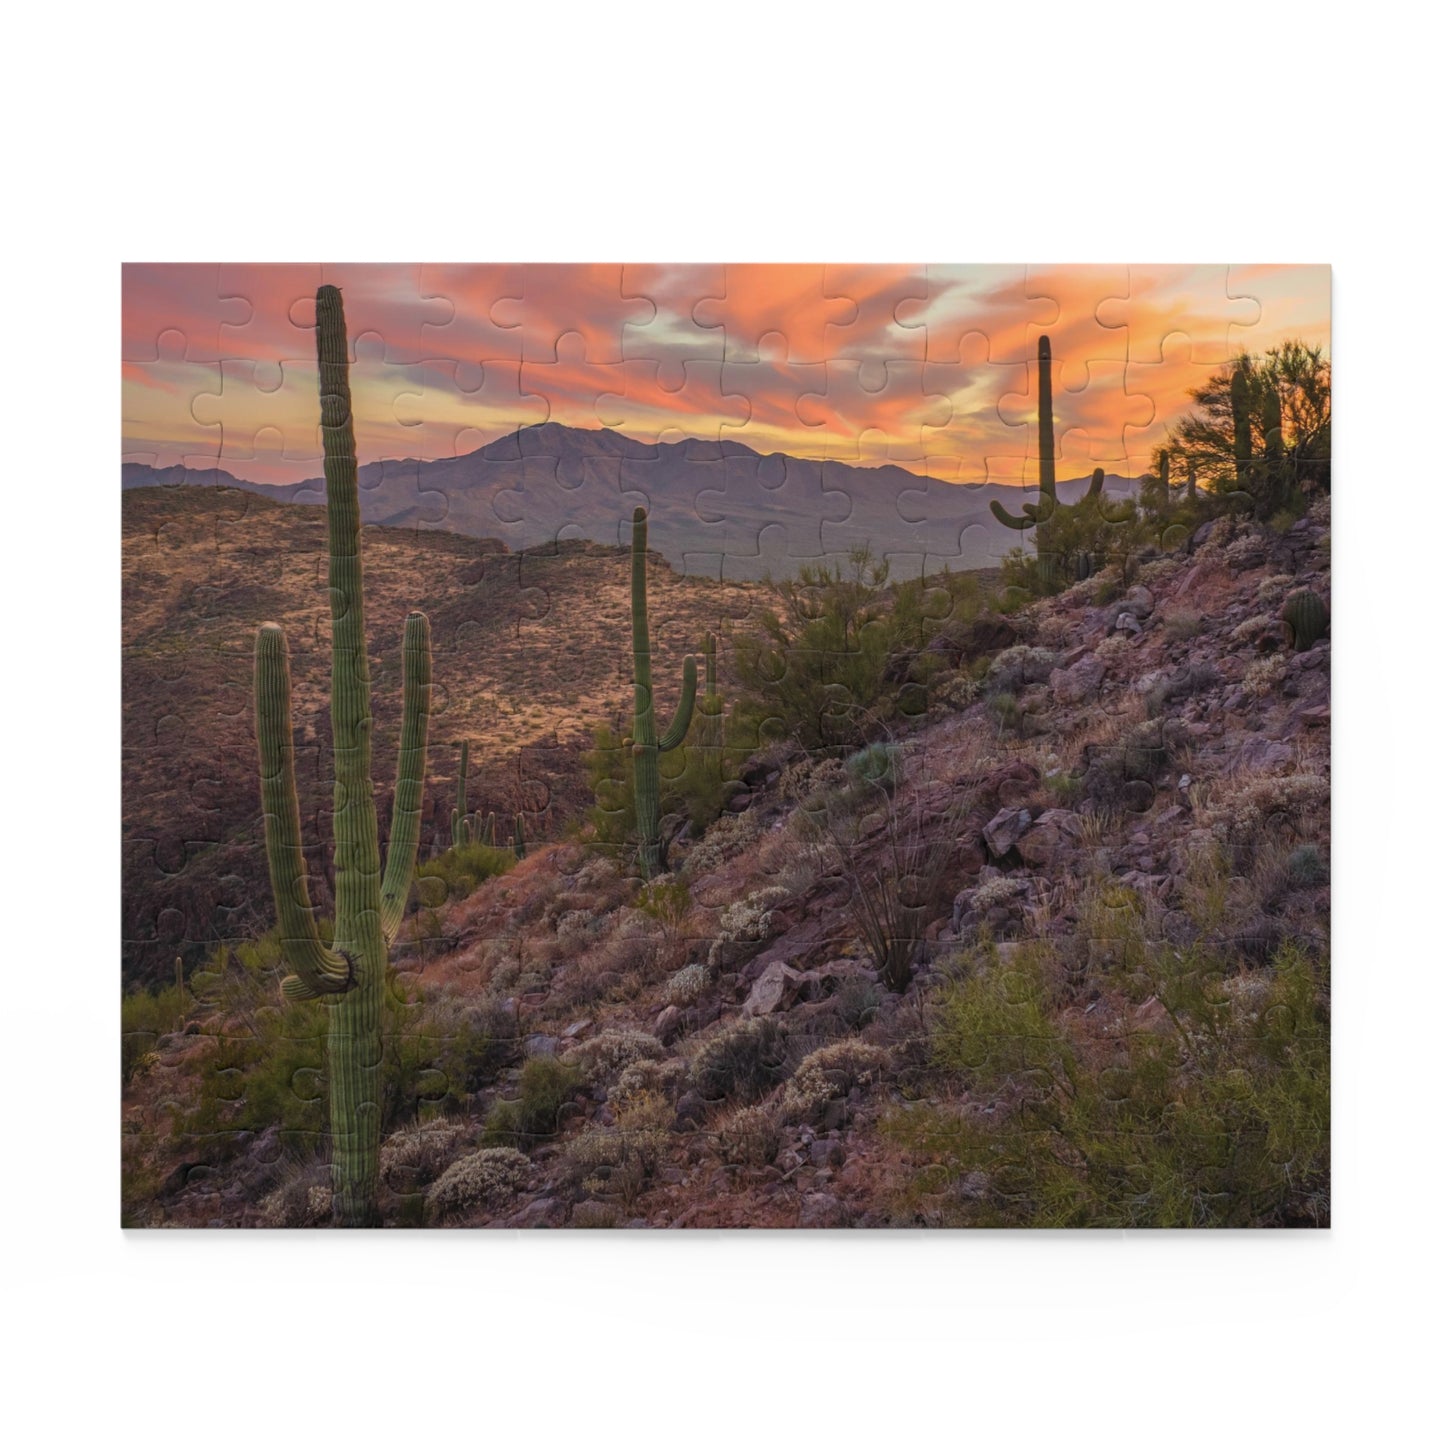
<point>1147,769</point>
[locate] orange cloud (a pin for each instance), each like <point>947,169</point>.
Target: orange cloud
<point>929,367</point>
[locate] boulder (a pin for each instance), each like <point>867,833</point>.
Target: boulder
<point>1053,833</point>
<point>1006,828</point>
<point>1076,683</point>
<point>777,986</point>
<point>824,1211</point>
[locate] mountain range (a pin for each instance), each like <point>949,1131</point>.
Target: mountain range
<point>715,508</point>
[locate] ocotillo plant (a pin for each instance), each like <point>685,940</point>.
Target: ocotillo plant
<point>519,843</point>
<point>646,745</point>
<point>351,974</point>
<point>459,812</point>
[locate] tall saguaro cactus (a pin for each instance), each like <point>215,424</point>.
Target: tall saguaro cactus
<point>646,745</point>
<point>1239,412</point>
<point>461,828</point>
<point>1037,514</point>
<point>350,975</point>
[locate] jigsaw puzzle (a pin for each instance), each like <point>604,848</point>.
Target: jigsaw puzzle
<point>725,746</point>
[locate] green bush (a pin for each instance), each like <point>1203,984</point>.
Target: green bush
<point>743,1060</point>
<point>144,1017</point>
<point>460,871</point>
<point>521,1123</point>
<point>1215,1114</point>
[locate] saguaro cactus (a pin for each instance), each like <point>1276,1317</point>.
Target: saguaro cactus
<point>1239,409</point>
<point>646,745</point>
<point>351,974</point>
<point>519,842</point>
<point>1036,513</point>
<point>460,827</point>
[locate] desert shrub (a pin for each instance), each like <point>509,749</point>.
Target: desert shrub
<point>817,672</point>
<point>601,1059</point>
<point>622,1160</point>
<point>1263,676</point>
<point>732,834</point>
<point>1005,711</point>
<point>956,691</point>
<point>459,872</point>
<point>1307,866</point>
<point>666,900</point>
<point>743,1060</point>
<point>830,1073</point>
<point>687,985</point>
<point>545,1085</point>
<point>302,1202</point>
<point>749,920</point>
<point>609,775</point>
<point>660,1077</point>
<point>1251,628</point>
<point>1181,626</point>
<point>144,1017</point>
<point>489,1177</point>
<point>858,1001</point>
<point>749,1136</point>
<point>875,767</point>
<point>1064,789</point>
<point>1218,1115</point>
<point>413,1157</point>
<point>1242,816</point>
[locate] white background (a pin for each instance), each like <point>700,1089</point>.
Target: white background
<point>1040,132</point>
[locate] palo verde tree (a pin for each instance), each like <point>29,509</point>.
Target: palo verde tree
<point>1260,426</point>
<point>349,977</point>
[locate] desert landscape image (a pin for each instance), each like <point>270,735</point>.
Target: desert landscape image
<point>725,747</point>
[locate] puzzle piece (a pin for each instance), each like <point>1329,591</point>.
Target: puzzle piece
<point>955,833</point>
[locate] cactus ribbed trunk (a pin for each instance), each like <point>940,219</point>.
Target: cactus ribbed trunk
<point>1273,488</point>
<point>459,812</point>
<point>351,974</point>
<point>646,745</point>
<point>1037,514</point>
<point>1239,410</point>
<point>519,841</point>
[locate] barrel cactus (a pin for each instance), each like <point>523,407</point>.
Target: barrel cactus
<point>350,974</point>
<point>1306,618</point>
<point>646,745</point>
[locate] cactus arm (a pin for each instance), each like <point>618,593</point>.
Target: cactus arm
<point>1019,524</point>
<point>410,769</point>
<point>682,718</point>
<point>318,969</point>
<point>519,841</point>
<point>1046,429</point>
<point>1096,486</point>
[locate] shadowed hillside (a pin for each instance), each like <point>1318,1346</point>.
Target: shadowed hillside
<point>203,567</point>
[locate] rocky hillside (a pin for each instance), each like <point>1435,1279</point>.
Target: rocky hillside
<point>203,567</point>
<point>1113,834</point>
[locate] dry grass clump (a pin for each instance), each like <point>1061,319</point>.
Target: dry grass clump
<point>303,1201</point>
<point>488,1177</point>
<point>749,1136</point>
<point>622,1161</point>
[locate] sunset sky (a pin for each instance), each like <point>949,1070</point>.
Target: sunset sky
<point>928,367</point>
